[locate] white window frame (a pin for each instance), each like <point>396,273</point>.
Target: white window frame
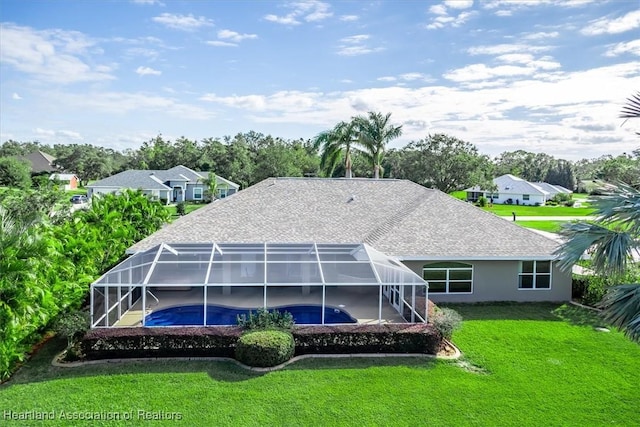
<point>447,280</point>
<point>196,196</point>
<point>535,274</point>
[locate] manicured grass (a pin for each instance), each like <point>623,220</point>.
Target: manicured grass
<point>506,210</point>
<point>189,207</point>
<point>550,226</point>
<point>524,365</point>
<point>462,195</point>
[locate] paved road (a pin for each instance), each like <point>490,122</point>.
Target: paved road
<point>549,218</point>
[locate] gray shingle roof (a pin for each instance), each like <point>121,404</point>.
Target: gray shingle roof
<point>397,217</point>
<point>40,162</point>
<point>149,179</point>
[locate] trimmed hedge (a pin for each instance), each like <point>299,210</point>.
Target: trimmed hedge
<point>160,342</point>
<point>386,338</point>
<point>265,348</point>
<point>221,341</point>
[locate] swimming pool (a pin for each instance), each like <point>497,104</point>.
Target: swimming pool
<point>192,315</point>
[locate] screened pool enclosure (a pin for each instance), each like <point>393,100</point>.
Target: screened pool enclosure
<point>367,285</point>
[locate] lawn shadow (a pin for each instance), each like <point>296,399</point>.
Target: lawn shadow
<point>39,368</point>
<point>579,316</point>
<point>508,310</point>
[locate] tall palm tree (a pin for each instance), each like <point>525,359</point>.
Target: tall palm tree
<point>336,145</point>
<point>375,132</point>
<point>613,239</point>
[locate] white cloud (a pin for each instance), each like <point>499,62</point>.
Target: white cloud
<point>438,9</point>
<point>67,134</point>
<point>541,35</point>
<point>632,47</point>
<point>284,20</point>
<point>500,49</point>
<point>458,4</point>
<point>455,21</point>
<point>147,71</point>
<point>148,2</point>
<point>349,18</point>
<point>306,10</point>
<point>482,72</point>
<point>220,43</point>
<point>16,96</point>
<point>386,79</point>
<point>356,45</point>
<point>234,36</point>
<point>605,25</point>
<point>51,55</point>
<point>182,22</point>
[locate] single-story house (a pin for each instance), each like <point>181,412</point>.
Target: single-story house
<point>178,184</point>
<point>69,180</point>
<point>41,162</point>
<point>464,253</point>
<point>513,190</point>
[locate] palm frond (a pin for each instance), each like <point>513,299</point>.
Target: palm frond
<point>610,249</point>
<point>631,110</point>
<point>621,308</point>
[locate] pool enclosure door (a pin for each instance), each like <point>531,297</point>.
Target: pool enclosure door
<point>394,295</point>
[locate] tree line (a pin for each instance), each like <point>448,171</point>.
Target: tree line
<point>356,148</point>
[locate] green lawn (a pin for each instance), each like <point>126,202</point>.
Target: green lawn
<point>506,210</point>
<point>189,207</point>
<point>524,365</point>
<point>550,226</point>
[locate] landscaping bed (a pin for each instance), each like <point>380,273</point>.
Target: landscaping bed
<point>220,341</point>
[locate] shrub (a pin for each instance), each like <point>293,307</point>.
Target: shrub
<point>265,348</point>
<point>570,203</point>
<point>386,338</point>
<point>446,321</point>
<point>180,208</point>
<point>561,197</point>
<point>482,201</point>
<point>551,203</point>
<point>210,341</point>
<point>72,325</point>
<point>266,319</point>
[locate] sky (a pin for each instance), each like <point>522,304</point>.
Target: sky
<point>547,76</point>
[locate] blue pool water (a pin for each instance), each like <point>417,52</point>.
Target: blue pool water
<point>192,315</point>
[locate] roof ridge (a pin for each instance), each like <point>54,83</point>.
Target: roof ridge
<point>388,224</point>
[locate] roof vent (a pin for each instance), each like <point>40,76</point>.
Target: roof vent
<point>352,198</point>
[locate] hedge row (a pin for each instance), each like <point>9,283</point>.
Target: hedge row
<point>220,341</point>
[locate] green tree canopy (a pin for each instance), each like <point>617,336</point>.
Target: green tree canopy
<point>14,173</point>
<point>443,162</point>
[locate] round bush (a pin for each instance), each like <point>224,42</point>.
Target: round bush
<point>265,348</point>
<point>446,321</point>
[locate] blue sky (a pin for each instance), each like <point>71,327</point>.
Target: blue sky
<point>539,75</point>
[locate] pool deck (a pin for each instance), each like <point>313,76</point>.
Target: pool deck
<point>359,301</point>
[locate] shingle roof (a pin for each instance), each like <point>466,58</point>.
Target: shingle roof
<point>40,162</point>
<point>153,179</point>
<point>135,179</point>
<point>397,217</point>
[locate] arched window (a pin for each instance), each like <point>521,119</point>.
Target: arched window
<point>449,277</point>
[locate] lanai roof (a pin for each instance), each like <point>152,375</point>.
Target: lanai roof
<point>397,217</point>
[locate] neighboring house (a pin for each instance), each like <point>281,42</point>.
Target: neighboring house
<point>178,184</point>
<point>513,190</point>
<point>69,180</point>
<point>465,253</point>
<point>40,162</point>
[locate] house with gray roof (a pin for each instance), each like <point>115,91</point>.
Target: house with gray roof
<point>465,253</point>
<point>178,184</point>
<point>40,162</point>
<point>510,189</point>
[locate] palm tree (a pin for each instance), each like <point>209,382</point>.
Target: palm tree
<point>336,144</point>
<point>375,132</point>
<point>612,239</point>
